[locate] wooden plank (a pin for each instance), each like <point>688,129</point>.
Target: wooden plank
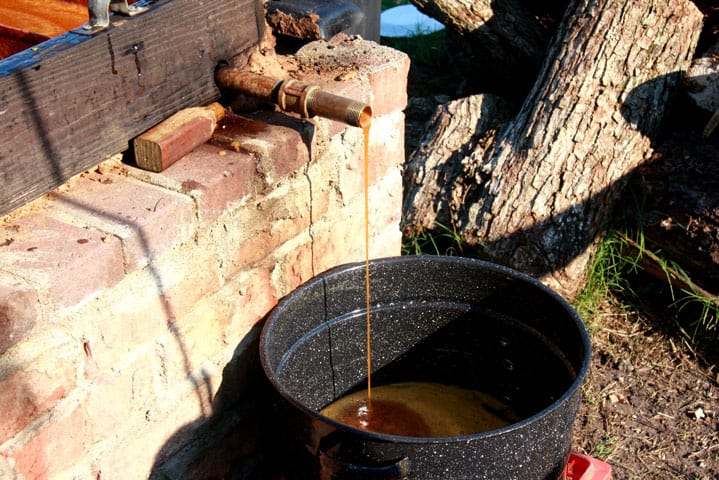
<point>70,102</point>
<point>49,17</point>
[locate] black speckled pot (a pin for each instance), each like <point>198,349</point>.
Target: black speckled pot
<point>440,319</point>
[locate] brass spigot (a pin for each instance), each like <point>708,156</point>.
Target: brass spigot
<point>294,96</point>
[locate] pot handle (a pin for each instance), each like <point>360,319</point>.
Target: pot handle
<point>332,468</point>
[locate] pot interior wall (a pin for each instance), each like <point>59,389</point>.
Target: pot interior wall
<point>440,342</point>
<point>469,325</point>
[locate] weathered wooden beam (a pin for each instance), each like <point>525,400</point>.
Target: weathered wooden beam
<point>68,103</point>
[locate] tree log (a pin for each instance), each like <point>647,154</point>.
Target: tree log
<point>506,37</point>
<point>679,191</point>
<point>459,128</point>
<point>541,192</point>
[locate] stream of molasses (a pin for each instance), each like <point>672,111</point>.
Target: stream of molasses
<point>414,409</point>
<point>365,131</point>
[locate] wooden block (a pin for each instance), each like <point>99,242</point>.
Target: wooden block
<point>167,142</point>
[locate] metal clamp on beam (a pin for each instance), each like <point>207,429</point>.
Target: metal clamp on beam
<point>99,12</point>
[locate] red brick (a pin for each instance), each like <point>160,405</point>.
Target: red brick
<point>71,262</point>
<point>223,319</point>
<point>253,248</point>
<point>135,456</point>
<point>386,201</point>
<point>214,177</point>
<point>340,240</point>
<point>184,278</point>
<point>386,69</point>
<point>117,397</point>
<point>386,146</point>
<point>262,226</point>
<point>18,311</point>
<point>134,414</point>
<point>321,193</point>
<point>386,153</point>
<point>351,181</point>
<point>201,337</point>
<point>388,81</point>
<point>158,340</point>
<point>148,220</point>
<point>257,297</point>
<point>144,442</point>
<point>279,142</point>
<point>337,238</point>
<point>27,393</point>
<point>56,446</point>
<point>294,266</point>
<point>125,320</point>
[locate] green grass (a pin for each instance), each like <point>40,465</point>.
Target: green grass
<point>620,270</point>
<point>441,241</point>
<point>604,449</point>
<point>429,49</point>
<point>421,47</point>
<point>607,276</point>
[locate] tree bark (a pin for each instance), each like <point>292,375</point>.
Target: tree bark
<point>537,197</point>
<point>506,38</point>
<point>458,128</point>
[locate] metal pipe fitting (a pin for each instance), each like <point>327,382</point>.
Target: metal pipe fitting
<point>294,96</point>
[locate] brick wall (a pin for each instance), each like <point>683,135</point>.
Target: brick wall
<point>130,302</point>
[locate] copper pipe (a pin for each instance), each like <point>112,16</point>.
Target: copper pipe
<point>294,96</point>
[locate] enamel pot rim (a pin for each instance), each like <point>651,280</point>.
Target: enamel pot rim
<point>277,312</point>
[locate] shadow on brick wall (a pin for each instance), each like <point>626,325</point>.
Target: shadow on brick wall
<point>234,442</point>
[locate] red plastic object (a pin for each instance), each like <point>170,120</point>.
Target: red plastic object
<point>579,467</point>
<point>583,467</point>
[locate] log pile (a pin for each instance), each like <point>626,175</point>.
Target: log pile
<point>532,186</point>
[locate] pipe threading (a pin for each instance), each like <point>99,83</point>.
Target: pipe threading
<point>358,114</point>
<point>323,104</point>
<point>295,96</point>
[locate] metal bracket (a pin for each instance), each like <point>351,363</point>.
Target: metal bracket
<point>99,12</point>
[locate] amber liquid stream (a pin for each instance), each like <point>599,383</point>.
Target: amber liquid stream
<point>365,131</point>
<point>417,409</point>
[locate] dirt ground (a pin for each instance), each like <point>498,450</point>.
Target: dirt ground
<point>650,407</point>
<point>651,400</point>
